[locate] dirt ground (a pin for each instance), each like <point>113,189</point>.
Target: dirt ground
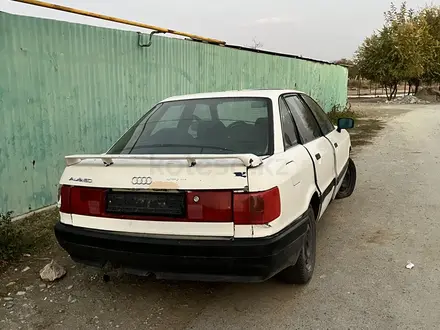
<point>372,118</point>
<point>360,282</point>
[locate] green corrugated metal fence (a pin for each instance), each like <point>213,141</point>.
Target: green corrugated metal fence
<point>69,88</point>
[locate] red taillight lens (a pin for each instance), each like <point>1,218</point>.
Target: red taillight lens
<point>87,201</point>
<point>257,208</point>
<point>65,199</point>
<point>209,206</point>
<point>83,201</point>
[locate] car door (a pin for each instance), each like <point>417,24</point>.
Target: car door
<point>339,140</point>
<point>291,169</point>
<point>319,148</point>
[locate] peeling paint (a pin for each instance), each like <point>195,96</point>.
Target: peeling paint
<point>164,185</point>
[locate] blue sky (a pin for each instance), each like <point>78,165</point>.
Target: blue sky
<point>320,29</point>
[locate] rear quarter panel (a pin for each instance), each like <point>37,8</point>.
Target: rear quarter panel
<point>292,172</point>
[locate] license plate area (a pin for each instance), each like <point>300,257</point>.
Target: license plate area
<point>161,204</point>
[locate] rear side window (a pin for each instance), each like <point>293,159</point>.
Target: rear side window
<point>287,126</point>
<point>323,121</point>
<point>305,121</point>
<point>202,126</point>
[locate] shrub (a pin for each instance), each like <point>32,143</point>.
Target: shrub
<point>339,112</point>
<point>11,238</point>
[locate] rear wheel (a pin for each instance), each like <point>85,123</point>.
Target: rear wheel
<point>349,181</point>
<point>302,271</point>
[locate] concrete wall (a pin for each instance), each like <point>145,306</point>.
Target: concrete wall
<point>69,88</point>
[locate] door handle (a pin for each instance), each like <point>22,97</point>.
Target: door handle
<point>336,145</point>
<point>318,156</point>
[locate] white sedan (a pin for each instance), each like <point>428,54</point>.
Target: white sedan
<point>214,187</point>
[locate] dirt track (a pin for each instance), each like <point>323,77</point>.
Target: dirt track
<point>361,281</point>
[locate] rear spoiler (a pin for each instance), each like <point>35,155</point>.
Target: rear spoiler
<point>249,160</point>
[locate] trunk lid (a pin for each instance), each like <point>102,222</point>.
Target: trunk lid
<point>159,194</point>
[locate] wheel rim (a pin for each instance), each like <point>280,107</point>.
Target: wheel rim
<point>308,248</point>
<point>346,182</point>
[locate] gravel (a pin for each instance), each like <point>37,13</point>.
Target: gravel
<point>408,99</point>
<point>364,245</point>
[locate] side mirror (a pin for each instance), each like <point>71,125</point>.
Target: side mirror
<point>345,123</point>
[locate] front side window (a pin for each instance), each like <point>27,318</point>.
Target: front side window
<point>305,121</point>
<point>323,121</point>
<point>202,126</point>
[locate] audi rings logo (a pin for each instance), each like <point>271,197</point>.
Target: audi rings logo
<point>141,180</point>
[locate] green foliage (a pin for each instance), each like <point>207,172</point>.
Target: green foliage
<point>406,48</point>
<point>11,238</point>
<point>341,112</point>
<point>351,67</point>
<point>431,16</point>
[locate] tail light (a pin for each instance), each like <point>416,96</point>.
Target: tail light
<point>209,206</point>
<point>87,201</point>
<point>82,201</point>
<point>202,206</point>
<point>65,199</point>
<point>257,208</point>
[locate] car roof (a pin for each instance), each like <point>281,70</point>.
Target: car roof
<point>269,93</point>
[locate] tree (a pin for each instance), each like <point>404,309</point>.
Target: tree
<point>376,60</point>
<point>431,17</point>
<point>413,43</point>
<point>350,65</point>
<point>403,50</point>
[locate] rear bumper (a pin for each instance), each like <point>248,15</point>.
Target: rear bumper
<point>234,260</point>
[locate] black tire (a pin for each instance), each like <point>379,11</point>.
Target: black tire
<point>349,181</point>
<point>302,271</point>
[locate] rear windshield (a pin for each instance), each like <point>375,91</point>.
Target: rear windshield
<point>202,126</point>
